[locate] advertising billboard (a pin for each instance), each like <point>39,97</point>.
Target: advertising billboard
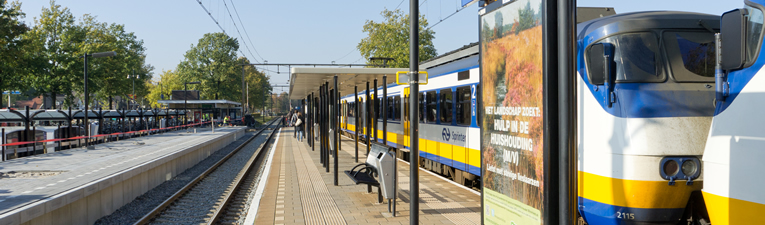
<point>512,127</point>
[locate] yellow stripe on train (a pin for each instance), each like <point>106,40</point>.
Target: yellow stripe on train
<point>723,210</point>
<point>635,193</point>
<point>454,152</point>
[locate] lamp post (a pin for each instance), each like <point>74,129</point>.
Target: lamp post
<point>134,76</point>
<point>87,99</point>
<point>185,100</point>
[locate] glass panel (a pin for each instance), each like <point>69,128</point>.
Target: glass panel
<point>635,57</point>
<point>754,32</point>
<point>397,108</point>
<point>421,106</point>
<point>431,107</point>
<point>463,106</point>
<point>446,105</point>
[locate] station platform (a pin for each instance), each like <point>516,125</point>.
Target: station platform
<point>299,191</point>
<point>79,186</point>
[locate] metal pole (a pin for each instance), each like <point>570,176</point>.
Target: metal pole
<point>336,124</point>
<point>325,117</point>
<point>550,114</point>
<point>321,125</point>
<point>356,127</point>
<point>185,96</point>
<point>385,110</point>
<point>368,116</point>
<point>3,142</point>
<point>385,122</point>
<point>243,88</point>
<point>375,106</point>
<point>313,120</point>
<point>566,103</point>
<point>414,158</point>
<point>87,133</point>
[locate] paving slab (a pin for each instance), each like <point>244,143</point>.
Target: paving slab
<point>299,191</point>
<point>56,173</point>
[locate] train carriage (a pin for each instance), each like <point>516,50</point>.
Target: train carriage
<point>645,94</point>
<point>734,148</point>
<point>449,133</point>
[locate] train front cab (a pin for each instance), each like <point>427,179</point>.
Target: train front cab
<point>733,165</point>
<point>645,93</point>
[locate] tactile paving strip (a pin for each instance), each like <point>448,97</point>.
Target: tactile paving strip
<point>316,191</point>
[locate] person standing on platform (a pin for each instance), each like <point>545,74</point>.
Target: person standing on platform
<point>293,120</point>
<point>299,126</point>
<point>225,121</point>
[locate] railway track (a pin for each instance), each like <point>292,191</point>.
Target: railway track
<point>219,195</point>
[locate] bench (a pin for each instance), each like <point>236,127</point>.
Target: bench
<point>366,173</point>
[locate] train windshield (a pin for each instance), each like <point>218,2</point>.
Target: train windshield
<point>691,55</point>
<point>754,32</point>
<point>636,57</point>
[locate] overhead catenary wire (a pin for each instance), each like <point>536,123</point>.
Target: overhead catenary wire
<point>447,17</point>
<point>245,30</point>
<point>240,33</point>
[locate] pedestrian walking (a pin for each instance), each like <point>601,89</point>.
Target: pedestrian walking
<point>299,126</point>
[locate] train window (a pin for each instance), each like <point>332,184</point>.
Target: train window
<point>446,105</point>
<point>397,108</point>
<point>464,75</point>
<point>691,55</point>
<point>463,106</point>
<point>390,108</point>
<point>753,33</point>
<point>406,108</point>
<point>351,108</point>
<point>378,106</point>
<point>636,56</point>
<point>431,107</point>
<point>421,107</point>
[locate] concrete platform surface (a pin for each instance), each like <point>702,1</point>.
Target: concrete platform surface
<point>299,191</point>
<point>39,178</point>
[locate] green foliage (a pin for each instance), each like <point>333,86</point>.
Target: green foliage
<point>213,62</point>
<point>259,86</point>
<point>53,65</point>
<point>109,76</point>
<point>390,39</point>
<point>56,45</point>
<point>11,46</point>
<point>167,82</point>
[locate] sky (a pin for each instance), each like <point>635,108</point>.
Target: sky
<point>301,31</point>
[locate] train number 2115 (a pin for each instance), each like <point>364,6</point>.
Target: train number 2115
<point>625,216</point>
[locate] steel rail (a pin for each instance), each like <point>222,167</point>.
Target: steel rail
<point>241,177</point>
<point>159,209</point>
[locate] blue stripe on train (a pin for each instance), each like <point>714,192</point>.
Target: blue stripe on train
<point>601,213</point>
<point>459,165</point>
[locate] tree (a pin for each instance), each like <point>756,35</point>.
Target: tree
<point>108,76</point>
<point>167,82</point>
<point>54,51</point>
<point>11,46</point>
<point>259,85</point>
<point>390,38</point>
<point>213,62</point>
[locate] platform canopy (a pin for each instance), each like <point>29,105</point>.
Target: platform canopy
<point>308,79</point>
<point>196,104</point>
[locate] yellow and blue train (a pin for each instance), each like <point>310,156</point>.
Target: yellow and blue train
<point>644,107</point>
<point>449,133</point>
<point>733,187</point>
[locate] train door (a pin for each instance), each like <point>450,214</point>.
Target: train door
<point>405,118</point>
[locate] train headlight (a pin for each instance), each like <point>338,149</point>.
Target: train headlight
<point>679,168</point>
<point>670,168</point>
<point>689,167</point>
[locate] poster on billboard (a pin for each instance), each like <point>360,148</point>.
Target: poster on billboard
<point>512,127</point>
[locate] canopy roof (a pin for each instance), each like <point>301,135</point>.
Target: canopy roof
<point>80,115</point>
<point>305,80</point>
<point>49,115</point>
<point>9,115</point>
